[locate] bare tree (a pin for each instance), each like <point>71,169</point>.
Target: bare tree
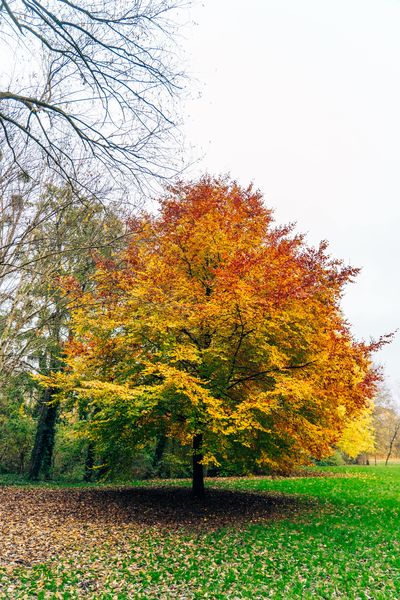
<point>386,421</point>
<point>107,89</point>
<point>392,441</point>
<point>45,232</point>
<point>94,106</point>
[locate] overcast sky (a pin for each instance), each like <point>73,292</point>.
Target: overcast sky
<point>303,99</point>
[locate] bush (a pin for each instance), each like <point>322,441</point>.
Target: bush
<point>334,460</point>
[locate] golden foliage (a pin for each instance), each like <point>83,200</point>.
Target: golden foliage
<point>359,435</point>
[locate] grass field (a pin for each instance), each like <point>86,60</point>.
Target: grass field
<point>332,536</point>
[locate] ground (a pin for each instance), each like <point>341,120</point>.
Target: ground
<point>335,535</point>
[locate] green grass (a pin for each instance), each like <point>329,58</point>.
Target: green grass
<point>344,543</point>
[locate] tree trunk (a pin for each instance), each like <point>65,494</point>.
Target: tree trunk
<point>198,472</point>
<point>103,471</point>
<point>159,452</point>
<point>89,463</point>
<point>42,452</point>
<point>22,462</point>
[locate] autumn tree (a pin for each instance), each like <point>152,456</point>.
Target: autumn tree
<point>358,437</point>
<point>219,330</point>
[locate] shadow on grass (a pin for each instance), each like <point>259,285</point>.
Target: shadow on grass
<point>169,507</point>
<point>40,523</point>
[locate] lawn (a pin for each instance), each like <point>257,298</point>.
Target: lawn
<point>336,535</point>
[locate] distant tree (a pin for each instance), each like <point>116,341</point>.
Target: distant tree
<point>393,439</point>
<point>102,93</point>
<point>358,437</point>
<point>386,420</point>
<point>220,331</point>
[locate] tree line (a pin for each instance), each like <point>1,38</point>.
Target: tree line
<point>133,342</point>
<point>203,334</point>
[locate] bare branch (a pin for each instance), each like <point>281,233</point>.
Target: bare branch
<point>108,90</point>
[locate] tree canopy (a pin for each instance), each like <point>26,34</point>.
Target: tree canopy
<point>220,330</point>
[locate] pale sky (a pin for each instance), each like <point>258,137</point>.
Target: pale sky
<point>302,97</point>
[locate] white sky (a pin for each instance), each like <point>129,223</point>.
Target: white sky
<point>302,97</point>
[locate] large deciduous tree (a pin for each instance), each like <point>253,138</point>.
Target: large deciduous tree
<point>219,330</point>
